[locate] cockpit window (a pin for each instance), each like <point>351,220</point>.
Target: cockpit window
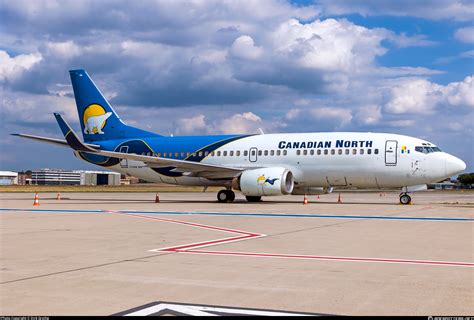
<point>426,150</point>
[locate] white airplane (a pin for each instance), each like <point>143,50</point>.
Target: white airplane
<point>257,165</point>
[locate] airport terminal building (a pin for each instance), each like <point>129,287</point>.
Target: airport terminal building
<point>74,177</point>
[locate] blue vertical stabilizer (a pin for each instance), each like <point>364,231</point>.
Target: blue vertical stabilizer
<point>98,119</point>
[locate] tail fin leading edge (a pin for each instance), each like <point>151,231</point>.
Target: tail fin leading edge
<point>98,119</point>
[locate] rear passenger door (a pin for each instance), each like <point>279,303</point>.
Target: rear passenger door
<point>253,154</point>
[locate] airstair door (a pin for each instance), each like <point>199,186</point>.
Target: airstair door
<point>391,152</point>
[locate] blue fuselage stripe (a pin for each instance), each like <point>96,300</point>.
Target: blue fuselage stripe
<point>275,215</point>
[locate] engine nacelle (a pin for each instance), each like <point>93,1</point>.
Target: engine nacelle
<point>310,191</point>
<point>274,181</point>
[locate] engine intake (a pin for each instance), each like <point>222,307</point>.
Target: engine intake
<point>273,181</point>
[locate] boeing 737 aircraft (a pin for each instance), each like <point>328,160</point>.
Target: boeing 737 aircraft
<point>257,165</point>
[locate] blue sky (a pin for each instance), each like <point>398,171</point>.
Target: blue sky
<point>212,67</point>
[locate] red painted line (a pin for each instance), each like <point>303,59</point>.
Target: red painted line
<point>186,247</point>
<point>243,234</point>
<point>190,224</point>
<point>191,248</point>
<point>293,256</point>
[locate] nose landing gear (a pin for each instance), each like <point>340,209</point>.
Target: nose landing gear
<point>405,198</point>
<point>225,196</point>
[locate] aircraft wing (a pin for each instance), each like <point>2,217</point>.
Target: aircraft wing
<point>189,168</point>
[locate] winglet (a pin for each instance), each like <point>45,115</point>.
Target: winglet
<point>70,136</point>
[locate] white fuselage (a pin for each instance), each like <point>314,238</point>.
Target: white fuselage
<point>335,159</point>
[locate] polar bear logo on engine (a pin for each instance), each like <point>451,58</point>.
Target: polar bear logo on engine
<point>96,122</point>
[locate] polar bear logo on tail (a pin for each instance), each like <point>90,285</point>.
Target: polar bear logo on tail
<point>96,122</point>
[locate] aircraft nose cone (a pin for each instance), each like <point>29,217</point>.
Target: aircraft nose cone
<point>454,165</point>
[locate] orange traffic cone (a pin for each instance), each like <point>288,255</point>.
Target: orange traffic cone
<point>58,196</point>
<point>157,198</point>
<point>339,199</point>
<point>305,200</point>
<point>37,202</point>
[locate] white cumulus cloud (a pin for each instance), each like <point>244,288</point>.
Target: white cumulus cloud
<point>12,67</point>
<point>244,47</point>
<point>465,34</point>
<point>328,44</point>
<point>246,122</point>
<point>66,49</point>
<point>193,125</point>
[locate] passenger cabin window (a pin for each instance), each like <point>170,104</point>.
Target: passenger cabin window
<point>305,152</point>
<point>361,151</point>
<point>333,151</point>
<point>354,151</point>
<point>206,153</point>
<point>224,154</point>
<point>285,152</point>
<point>347,151</point>
<point>231,153</point>
<point>266,152</point>
<point>339,151</point>
<point>311,152</point>
<point>253,152</point>
<point>278,152</point>
<point>319,152</point>
<point>259,152</point>
<point>176,154</point>
<point>218,153</point>
<point>298,152</point>
<point>376,151</point>
<point>237,153</point>
<point>369,151</point>
<point>325,151</point>
<point>272,152</point>
<point>246,153</point>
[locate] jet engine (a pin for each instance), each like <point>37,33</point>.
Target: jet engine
<point>274,181</point>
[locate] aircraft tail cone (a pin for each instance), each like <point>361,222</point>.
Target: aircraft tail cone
<point>339,199</point>
<point>36,202</point>
<point>58,196</point>
<point>305,200</point>
<point>157,198</point>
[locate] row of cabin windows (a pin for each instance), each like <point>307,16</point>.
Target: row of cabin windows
<point>333,151</point>
<point>245,153</point>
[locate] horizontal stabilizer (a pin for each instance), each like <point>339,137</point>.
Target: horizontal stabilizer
<point>58,142</point>
<point>71,137</point>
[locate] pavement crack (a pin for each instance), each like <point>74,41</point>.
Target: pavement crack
<point>84,268</point>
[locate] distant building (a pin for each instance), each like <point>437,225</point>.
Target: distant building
<point>74,177</point>
<point>8,178</point>
<point>23,179</point>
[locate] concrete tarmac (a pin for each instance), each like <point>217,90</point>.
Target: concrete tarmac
<point>102,253</point>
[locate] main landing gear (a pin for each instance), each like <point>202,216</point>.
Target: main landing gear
<point>405,198</point>
<point>226,195</point>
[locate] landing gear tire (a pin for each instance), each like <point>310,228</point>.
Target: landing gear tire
<point>405,199</point>
<point>225,196</point>
<point>253,198</point>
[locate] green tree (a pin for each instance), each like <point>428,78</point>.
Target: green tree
<point>466,178</point>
